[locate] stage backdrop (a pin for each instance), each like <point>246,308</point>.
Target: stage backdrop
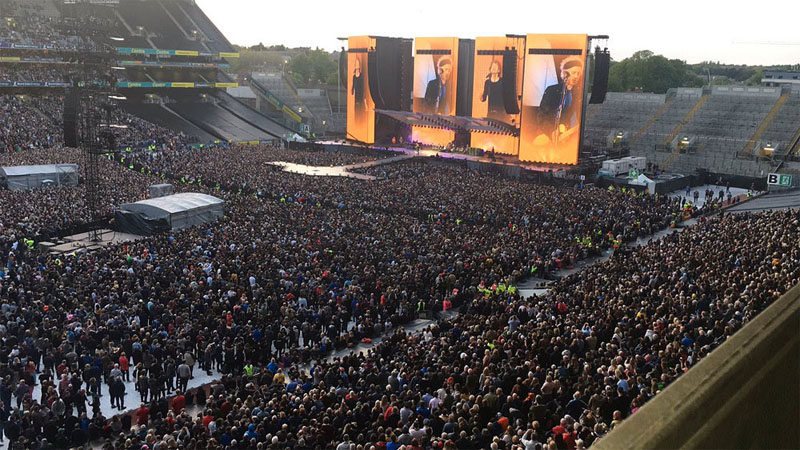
<point>552,98</point>
<point>360,107</point>
<point>498,60</point>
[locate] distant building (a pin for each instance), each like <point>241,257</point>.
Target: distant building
<point>780,78</point>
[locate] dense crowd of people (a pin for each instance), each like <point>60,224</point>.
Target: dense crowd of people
<point>301,268</point>
<point>31,29</point>
<point>43,212</point>
<point>22,127</point>
<point>267,292</point>
<point>49,72</point>
<point>36,122</point>
<point>283,280</point>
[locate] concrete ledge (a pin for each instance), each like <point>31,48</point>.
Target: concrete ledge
<point>745,394</point>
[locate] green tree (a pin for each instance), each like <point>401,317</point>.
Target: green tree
<point>313,66</point>
<point>651,73</point>
<point>755,78</point>
<point>300,68</point>
<point>252,60</point>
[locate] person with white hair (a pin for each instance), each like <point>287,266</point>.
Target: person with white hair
<point>560,108</point>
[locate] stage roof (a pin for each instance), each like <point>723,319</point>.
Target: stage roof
<point>454,123</point>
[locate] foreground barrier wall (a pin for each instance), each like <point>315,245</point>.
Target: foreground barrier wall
<point>745,394</point>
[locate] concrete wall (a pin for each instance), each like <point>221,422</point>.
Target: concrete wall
<point>745,394</point>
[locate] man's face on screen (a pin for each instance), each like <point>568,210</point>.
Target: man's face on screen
<point>445,72</point>
<point>572,76</point>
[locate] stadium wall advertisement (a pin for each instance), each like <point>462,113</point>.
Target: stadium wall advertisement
<point>435,75</point>
<point>360,107</point>
<point>552,98</point>
<point>169,84</point>
<point>164,52</point>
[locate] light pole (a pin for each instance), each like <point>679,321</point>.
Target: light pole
<point>339,76</point>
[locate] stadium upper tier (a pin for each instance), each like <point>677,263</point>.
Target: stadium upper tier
<point>162,24</point>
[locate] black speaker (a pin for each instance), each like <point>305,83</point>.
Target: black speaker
<point>406,76</point>
<point>374,78</point>
<point>70,119</point>
<point>510,81</point>
<point>602,60</point>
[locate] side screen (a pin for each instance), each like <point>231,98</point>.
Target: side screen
<point>360,107</point>
<point>552,98</point>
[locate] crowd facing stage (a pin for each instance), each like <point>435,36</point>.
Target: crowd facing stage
<point>301,267</point>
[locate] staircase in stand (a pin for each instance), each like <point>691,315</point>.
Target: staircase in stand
<point>748,148</point>
<point>652,120</point>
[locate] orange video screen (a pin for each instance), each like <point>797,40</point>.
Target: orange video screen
<point>433,136</point>
<point>552,98</point>
<point>498,61</point>
<point>360,107</point>
<point>435,75</point>
<point>492,54</point>
<point>499,143</point>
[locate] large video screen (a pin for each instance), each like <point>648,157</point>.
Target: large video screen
<point>360,107</point>
<point>435,75</point>
<point>498,61</point>
<point>552,98</point>
<point>492,54</point>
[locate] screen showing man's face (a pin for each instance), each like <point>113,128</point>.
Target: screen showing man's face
<point>444,72</point>
<point>572,76</point>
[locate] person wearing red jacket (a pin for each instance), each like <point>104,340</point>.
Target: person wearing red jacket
<point>178,403</point>
<point>124,365</point>
<point>142,415</point>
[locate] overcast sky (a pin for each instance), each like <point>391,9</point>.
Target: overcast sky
<point>694,31</point>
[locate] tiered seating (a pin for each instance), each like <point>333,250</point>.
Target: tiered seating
<point>621,112</point>
<point>651,142</point>
<point>250,115</point>
<point>320,107</point>
<point>154,19</point>
<point>785,124</point>
<point>219,121</point>
<point>726,122</point>
<point>277,85</point>
<point>663,127</point>
<point>157,114</point>
<point>217,42</point>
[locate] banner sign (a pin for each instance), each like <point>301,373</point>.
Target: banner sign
<point>38,84</point>
<point>172,84</point>
<point>160,52</point>
<point>161,64</point>
<point>779,179</point>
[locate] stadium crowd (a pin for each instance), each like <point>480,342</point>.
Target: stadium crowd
<point>39,31</point>
<point>43,212</point>
<point>36,122</point>
<point>264,294</point>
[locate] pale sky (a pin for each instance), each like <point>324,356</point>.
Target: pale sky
<point>726,31</point>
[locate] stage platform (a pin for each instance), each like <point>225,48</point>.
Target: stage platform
<point>80,242</point>
<point>498,158</point>
<point>338,171</point>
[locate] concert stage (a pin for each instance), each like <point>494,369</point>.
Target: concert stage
<point>81,242</point>
<point>487,158</point>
